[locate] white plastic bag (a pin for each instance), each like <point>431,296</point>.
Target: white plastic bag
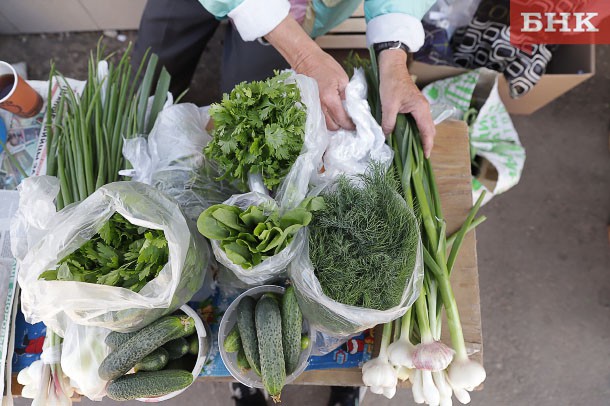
<point>57,302</point>
<point>338,320</point>
<point>270,268</point>
<point>172,160</point>
<point>82,353</point>
<point>295,186</point>
<point>351,152</point>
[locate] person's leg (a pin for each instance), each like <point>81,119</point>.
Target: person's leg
<point>247,61</point>
<point>177,31</point>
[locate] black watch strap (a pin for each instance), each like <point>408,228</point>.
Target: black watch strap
<point>382,46</point>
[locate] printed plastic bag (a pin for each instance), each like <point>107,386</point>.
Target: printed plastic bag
<point>172,159</point>
<point>336,320</point>
<point>39,243</point>
<point>351,152</point>
<point>492,134</point>
<point>270,268</point>
<point>82,353</point>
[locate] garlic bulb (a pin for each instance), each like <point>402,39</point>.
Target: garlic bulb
<point>379,373</point>
<point>466,374</point>
<point>403,373</point>
<point>432,356</point>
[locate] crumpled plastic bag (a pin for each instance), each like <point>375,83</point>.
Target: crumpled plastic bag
<point>172,160</point>
<point>272,267</point>
<point>40,239</point>
<point>295,186</point>
<point>82,353</point>
<point>351,152</point>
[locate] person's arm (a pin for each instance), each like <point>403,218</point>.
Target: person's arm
<point>270,19</point>
<point>306,57</point>
<point>393,20</point>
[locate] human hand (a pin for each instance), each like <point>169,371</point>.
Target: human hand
<point>400,95</point>
<point>332,81</point>
<point>306,57</point>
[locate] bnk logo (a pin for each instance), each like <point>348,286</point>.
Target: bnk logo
<point>552,22</point>
<point>559,22</point>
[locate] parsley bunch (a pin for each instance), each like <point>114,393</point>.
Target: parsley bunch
<point>258,128</point>
<point>120,254</point>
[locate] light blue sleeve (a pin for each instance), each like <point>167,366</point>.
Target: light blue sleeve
<point>414,8</point>
<point>220,8</point>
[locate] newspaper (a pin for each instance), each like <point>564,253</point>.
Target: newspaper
<point>9,200</point>
<point>25,140</point>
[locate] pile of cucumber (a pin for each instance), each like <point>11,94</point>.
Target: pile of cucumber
<point>267,338</point>
<point>159,354</point>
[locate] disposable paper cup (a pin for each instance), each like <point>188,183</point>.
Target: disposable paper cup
<point>250,378</point>
<point>203,332</point>
<point>16,95</point>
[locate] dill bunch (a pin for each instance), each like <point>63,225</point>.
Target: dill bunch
<point>363,244</point>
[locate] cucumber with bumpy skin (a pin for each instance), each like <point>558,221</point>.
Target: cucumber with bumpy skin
<point>115,339</point>
<point>292,323</point>
<point>194,344</point>
<point>247,331</point>
<point>145,341</point>
<point>154,361</point>
<point>148,384</point>
<point>269,334</point>
<point>233,341</point>
<point>177,348</point>
<point>242,361</point>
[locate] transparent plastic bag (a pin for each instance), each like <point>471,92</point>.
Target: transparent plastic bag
<point>351,152</point>
<point>172,160</point>
<point>295,186</point>
<point>338,321</point>
<point>271,268</point>
<point>58,302</point>
<point>82,353</point>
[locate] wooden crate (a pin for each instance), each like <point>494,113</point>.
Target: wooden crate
<point>350,34</point>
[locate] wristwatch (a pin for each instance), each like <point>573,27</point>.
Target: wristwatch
<point>382,46</point>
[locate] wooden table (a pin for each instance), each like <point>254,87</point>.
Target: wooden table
<point>451,162</point>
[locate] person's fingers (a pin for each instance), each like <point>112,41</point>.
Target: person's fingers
<point>337,112</point>
<point>330,123</point>
<point>427,130</point>
<point>389,111</point>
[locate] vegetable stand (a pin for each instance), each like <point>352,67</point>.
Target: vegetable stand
<point>343,365</point>
<point>451,162</point>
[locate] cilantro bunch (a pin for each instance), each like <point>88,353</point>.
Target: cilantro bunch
<point>120,254</point>
<point>250,236</point>
<point>258,128</point>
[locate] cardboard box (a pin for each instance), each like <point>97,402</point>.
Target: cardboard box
<point>571,65</point>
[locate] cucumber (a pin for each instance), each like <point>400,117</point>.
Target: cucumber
<point>194,344</point>
<point>242,361</point>
<point>154,361</point>
<point>292,323</point>
<point>177,348</point>
<point>247,331</point>
<point>115,339</point>
<point>148,384</point>
<point>269,334</point>
<point>304,342</point>
<point>233,341</point>
<point>145,341</point>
